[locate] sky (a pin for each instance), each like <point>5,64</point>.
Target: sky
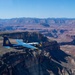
<point>37,8</point>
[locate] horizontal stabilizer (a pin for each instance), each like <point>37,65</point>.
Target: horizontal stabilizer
<point>8,47</point>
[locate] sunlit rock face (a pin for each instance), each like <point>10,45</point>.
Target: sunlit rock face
<point>31,63</point>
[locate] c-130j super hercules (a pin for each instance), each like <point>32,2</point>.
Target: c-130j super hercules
<point>20,44</point>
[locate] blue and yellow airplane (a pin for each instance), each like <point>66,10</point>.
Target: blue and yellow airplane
<point>20,44</point>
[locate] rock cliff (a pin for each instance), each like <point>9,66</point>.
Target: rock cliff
<point>47,60</point>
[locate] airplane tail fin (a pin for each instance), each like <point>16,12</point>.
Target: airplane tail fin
<point>6,41</point>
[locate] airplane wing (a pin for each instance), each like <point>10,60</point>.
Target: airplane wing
<point>25,44</point>
<point>33,43</point>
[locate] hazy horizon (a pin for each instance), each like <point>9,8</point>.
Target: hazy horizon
<point>39,18</point>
